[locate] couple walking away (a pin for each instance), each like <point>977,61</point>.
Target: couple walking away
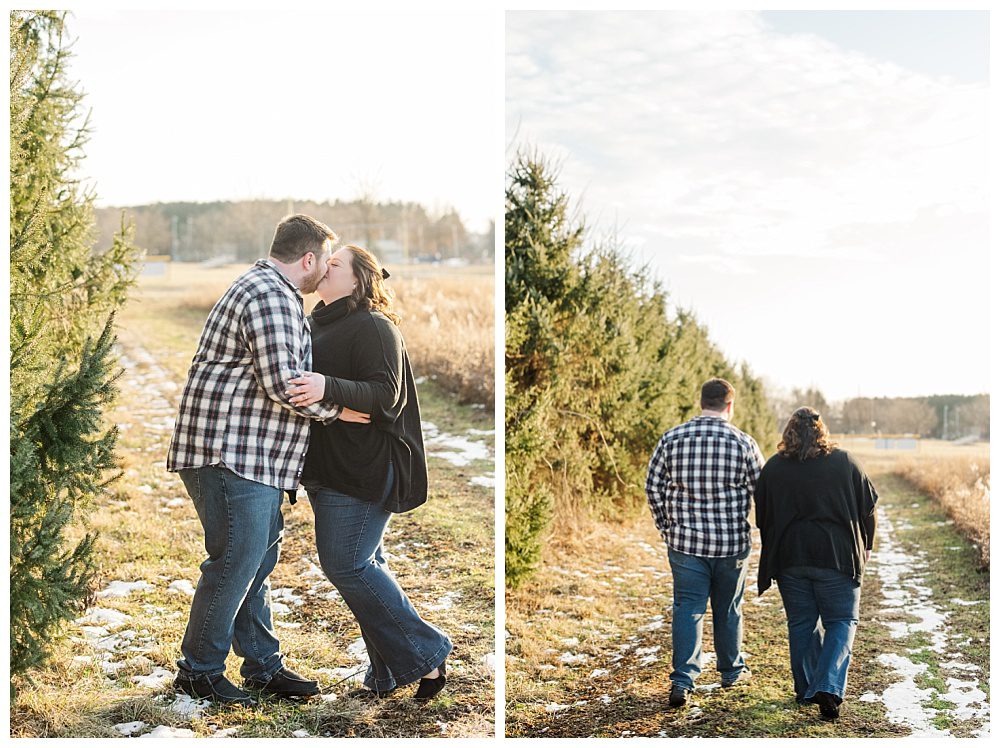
<point>815,510</point>
<point>274,400</point>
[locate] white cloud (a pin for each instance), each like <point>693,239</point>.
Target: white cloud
<point>720,142</point>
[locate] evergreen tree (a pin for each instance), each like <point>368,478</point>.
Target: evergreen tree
<point>596,370</point>
<point>62,298</point>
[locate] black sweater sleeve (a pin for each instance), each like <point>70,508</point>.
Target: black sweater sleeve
<point>377,361</point>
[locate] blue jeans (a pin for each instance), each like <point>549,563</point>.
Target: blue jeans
<point>698,579</point>
<point>402,647</point>
<point>232,604</point>
<point>822,609</point>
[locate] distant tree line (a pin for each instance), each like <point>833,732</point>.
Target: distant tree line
<point>935,417</point>
<point>242,230</point>
<point>597,368</point>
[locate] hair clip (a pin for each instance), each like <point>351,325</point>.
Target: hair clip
<point>385,274</point>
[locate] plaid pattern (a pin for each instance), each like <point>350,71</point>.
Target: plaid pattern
<point>234,411</point>
<point>700,480</point>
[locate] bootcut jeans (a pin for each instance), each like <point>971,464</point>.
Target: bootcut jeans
<point>822,610</point>
<point>243,528</point>
<point>402,646</point>
<point>698,579</point>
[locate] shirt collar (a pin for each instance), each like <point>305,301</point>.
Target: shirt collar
<point>266,263</point>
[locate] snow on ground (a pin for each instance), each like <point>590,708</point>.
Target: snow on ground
<point>124,589</point>
<point>169,732</point>
<point>458,450</point>
<point>181,586</point>
<point>904,588</point>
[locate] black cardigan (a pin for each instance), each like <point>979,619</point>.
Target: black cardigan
<point>367,369</point>
<point>818,512</point>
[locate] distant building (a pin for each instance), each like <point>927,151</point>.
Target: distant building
<point>389,251</point>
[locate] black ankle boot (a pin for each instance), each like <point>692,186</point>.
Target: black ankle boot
<point>431,687</point>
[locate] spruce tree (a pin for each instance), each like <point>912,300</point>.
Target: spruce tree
<point>62,297</point>
<point>597,368</point>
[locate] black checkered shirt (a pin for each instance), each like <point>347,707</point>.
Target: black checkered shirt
<point>234,411</point>
<point>700,481</point>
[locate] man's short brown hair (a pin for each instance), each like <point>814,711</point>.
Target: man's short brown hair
<point>297,235</point>
<point>716,394</point>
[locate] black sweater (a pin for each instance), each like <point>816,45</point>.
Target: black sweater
<point>367,369</point>
<point>818,512</point>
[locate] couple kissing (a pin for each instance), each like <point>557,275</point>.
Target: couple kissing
<point>274,400</point>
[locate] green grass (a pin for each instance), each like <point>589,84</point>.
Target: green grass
<point>549,610</point>
<point>444,547</point>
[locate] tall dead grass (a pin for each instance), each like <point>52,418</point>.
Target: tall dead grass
<point>448,328</point>
<point>962,486</point>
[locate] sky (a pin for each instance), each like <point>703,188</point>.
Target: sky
<point>813,185</point>
<point>312,105</point>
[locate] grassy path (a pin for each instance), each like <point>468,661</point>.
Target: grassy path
<point>116,665</point>
<point>589,641</point>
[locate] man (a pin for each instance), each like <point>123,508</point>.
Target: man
<point>238,443</point>
<point>700,481</point>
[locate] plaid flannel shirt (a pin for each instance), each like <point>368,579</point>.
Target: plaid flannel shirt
<point>234,411</point>
<point>701,478</point>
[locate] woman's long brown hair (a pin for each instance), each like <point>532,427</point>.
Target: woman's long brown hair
<point>805,436</point>
<point>372,292</point>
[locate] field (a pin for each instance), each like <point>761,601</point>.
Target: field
<point>114,668</point>
<point>588,647</point>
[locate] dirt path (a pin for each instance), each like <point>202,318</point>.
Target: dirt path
<point>589,642</point>
<point>112,675</point>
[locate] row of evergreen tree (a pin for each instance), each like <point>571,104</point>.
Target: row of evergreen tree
<point>597,368</point>
<point>62,368</point>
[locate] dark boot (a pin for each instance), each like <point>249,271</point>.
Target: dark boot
<point>431,687</point>
<point>217,688</point>
<point>678,696</point>
<point>829,705</point>
<point>284,684</point>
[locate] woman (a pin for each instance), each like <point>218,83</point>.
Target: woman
<point>357,477</point>
<point>816,515</point>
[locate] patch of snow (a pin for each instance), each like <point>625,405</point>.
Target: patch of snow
<point>286,594</point>
<point>124,589</point>
<point>287,625</point>
<point>128,728</point>
<point>156,679</point>
<point>169,732</point>
<point>181,586</point>
<point>489,661</point>
<point>553,707</point>
<point>486,481</point>
<point>357,650</point>
<point>227,733</point>
<point>445,602</point>
<point>183,704</point>
<point>301,734</point>
<point>569,658</point>
<point>99,616</point>
<point>599,672</point>
<point>280,609</point>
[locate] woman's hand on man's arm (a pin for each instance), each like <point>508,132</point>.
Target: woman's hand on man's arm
<point>310,388</point>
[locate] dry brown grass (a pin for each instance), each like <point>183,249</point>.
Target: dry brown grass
<point>956,476</point>
<point>962,486</point>
<point>447,319</point>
